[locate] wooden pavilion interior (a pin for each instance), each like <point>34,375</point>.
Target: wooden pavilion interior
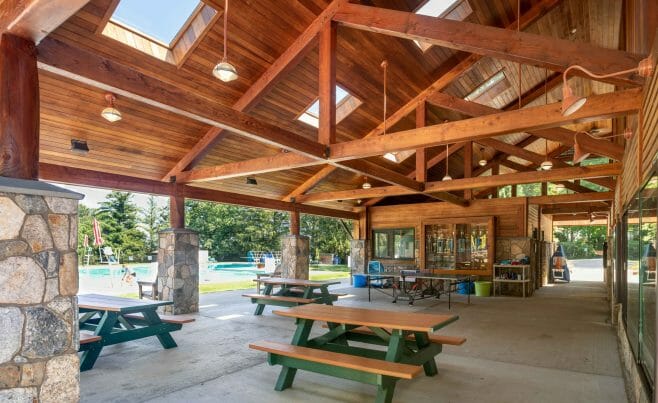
<point>367,110</point>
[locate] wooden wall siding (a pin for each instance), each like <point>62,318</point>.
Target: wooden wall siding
<point>510,215</point>
<point>547,227</point>
<point>533,218</point>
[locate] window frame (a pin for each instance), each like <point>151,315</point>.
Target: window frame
<point>390,241</point>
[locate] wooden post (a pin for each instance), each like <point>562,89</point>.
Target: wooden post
<point>544,188</point>
<point>495,170</point>
<point>421,153</point>
<point>177,212</point>
<point>514,190</point>
<point>19,108</point>
<point>327,84</point>
<point>468,167</point>
<point>294,222</point>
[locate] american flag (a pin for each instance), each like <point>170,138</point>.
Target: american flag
<point>98,237</point>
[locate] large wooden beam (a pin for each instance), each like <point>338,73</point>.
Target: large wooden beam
<point>76,176</point>
<point>571,208</point>
<point>176,212</point>
<point>95,70</point>
<point>572,198</point>
<point>521,47</point>
<point>327,84</point>
<point>35,19</point>
<point>590,145</point>
<point>380,173</point>
<point>19,108</point>
<point>287,61</point>
<point>559,174</point>
<point>540,117</point>
<point>461,64</point>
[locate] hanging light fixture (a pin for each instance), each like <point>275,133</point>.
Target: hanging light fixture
<point>571,103</point>
<point>482,161</point>
<point>546,165</point>
<point>111,113</point>
<point>366,185</point>
<point>225,70</point>
<point>447,177</point>
<point>559,186</point>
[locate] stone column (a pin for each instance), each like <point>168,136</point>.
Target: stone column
<point>38,285</point>
<point>358,256</point>
<point>178,270</point>
<point>295,257</point>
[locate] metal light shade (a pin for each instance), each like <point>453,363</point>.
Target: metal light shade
<point>447,178</point>
<point>366,185</point>
<point>570,102</point>
<point>111,114</point>
<point>546,165</point>
<point>225,71</point>
<point>482,162</point>
<point>578,153</point>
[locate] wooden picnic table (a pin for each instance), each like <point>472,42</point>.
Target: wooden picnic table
<point>117,320</point>
<point>410,345</point>
<point>292,292</point>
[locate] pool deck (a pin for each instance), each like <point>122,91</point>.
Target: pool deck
<point>554,346</point>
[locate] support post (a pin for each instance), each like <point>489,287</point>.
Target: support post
<point>294,222</point>
<point>177,212</point>
<point>178,270</point>
<point>468,167</point>
<point>421,153</point>
<point>19,108</point>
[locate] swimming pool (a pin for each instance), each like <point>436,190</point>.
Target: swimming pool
<point>114,271</point>
<point>235,269</point>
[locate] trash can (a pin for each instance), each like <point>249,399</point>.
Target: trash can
<point>359,280</point>
<point>483,288</point>
<point>463,288</point>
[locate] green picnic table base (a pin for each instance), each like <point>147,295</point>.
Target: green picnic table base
<point>385,384</point>
<point>262,302</point>
<point>321,297</point>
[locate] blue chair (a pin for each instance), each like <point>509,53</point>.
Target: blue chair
<point>375,267</point>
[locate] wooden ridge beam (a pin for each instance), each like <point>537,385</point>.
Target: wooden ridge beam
<point>472,183</point>
<point>35,19</point>
<point>108,75</point>
<point>520,47</point>
<point>572,198</point>
<point>463,62</point>
<point>590,145</point>
<point>76,176</point>
<point>540,117</point>
<point>287,61</point>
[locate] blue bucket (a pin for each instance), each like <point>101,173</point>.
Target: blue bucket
<point>359,280</point>
<point>462,288</point>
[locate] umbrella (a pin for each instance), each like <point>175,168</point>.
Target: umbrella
<point>98,237</point>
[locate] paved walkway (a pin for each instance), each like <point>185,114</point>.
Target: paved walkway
<point>555,346</point>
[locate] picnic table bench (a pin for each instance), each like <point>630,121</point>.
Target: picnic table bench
<point>116,320</point>
<point>292,292</point>
<point>410,345</point>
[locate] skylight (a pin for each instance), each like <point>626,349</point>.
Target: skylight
<point>448,9</point>
<point>346,103</point>
<point>161,20</point>
<point>486,86</point>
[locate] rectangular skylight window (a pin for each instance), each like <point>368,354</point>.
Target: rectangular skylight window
<point>160,20</point>
<point>345,104</point>
<point>434,8</point>
<point>486,86</point>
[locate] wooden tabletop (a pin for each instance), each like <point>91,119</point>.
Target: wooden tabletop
<point>296,282</point>
<point>117,304</point>
<point>418,322</point>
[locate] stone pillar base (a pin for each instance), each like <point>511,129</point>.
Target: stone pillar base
<point>358,256</point>
<point>39,336</point>
<point>178,270</point>
<point>295,258</point>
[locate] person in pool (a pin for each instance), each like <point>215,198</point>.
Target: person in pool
<point>128,275</point>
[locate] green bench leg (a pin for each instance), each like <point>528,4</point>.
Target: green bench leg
<point>286,377</point>
<point>259,309</point>
<point>385,390</point>
<point>430,366</point>
<point>165,338</point>
<point>104,327</point>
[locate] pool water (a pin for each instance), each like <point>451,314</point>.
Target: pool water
<point>230,270</point>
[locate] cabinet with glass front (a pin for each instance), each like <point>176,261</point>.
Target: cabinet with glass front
<point>459,245</point>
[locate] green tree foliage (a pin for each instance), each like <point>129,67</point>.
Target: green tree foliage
<point>581,242</point>
<point>229,232</point>
<point>118,216</point>
<point>153,219</point>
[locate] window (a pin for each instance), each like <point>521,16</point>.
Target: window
<point>346,103</point>
<point>489,89</point>
<point>394,243</point>
<point>165,29</point>
<point>449,9</point>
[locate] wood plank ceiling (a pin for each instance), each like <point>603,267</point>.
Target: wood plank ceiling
<point>148,142</point>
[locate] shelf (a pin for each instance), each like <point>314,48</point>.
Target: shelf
<point>502,280</point>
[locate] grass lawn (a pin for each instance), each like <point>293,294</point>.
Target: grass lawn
<point>327,272</point>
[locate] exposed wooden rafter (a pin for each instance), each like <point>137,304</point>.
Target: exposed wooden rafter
<point>35,19</point>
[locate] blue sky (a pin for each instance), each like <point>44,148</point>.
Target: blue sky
<point>159,19</point>
<point>93,196</point>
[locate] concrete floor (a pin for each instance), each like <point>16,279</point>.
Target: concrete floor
<point>555,346</point>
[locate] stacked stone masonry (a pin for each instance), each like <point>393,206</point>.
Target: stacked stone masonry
<point>178,270</point>
<point>38,305</point>
<point>295,258</point>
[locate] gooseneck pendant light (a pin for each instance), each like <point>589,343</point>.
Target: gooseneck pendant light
<point>225,70</point>
<point>111,113</point>
<point>447,177</point>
